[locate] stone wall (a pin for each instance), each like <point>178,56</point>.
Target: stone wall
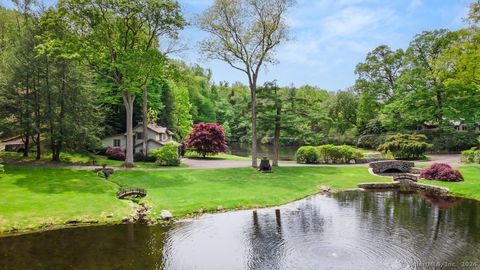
<point>384,166</point>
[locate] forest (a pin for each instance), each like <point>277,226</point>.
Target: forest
<point>64,84</point>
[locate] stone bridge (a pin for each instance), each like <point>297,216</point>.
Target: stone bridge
<point>392,166</point>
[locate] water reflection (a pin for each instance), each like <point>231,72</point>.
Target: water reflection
<point>348,230</point>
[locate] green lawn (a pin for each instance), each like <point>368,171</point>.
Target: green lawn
<point>32,197</point>
<point>184,192</point>
<point>75,159</point>
<point>469,188</point>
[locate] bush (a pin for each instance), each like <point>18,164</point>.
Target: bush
<point>338,154</point>
<point>371,141</point>
<point>307,155</point>
<point>166,155</point>
<point>405,146</point>
<point>468,156</point>
<point>442,172</point>
<point>115,153</point>
<point>328,153</point>
<point>140,157</point>
<point>2,169</point>
<point>207,139</point>
<point>450,140</point>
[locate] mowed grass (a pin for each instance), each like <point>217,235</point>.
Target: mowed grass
<point>184,192</point>
<point>76,159</point>
<point>469,188</point>
<point>33,197</point>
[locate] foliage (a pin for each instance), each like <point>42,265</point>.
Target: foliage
<point>338,154</point>
<point>371,142</point>
<point>206,139</point>
<point>115,153</point>
<point>307,155</point>
<point>166,155</point>
<point>442,172</point>
<point>450,140</point>
<point>405,146</point>
<point>328,154</point>
<point>2,169</point>
<point>140,157</point>
<point>471,156</point>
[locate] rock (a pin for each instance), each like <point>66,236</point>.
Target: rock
<point>324,188</point>
<point>200,211</point>
<point>166,215</point>
<point>110,215</point>
<point>125,219</point>
<point>219,208</point>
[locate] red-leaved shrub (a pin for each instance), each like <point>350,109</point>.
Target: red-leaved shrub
<point>115,153</point>
<point>442,172</point>
<point>206,139</point>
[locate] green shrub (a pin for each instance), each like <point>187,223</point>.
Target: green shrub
<point>405,146</point>
<point>307,155</point>
<point>2,169</point>
<point>166,155</point>
<point>328,153</point>
<point>468,156</point>
<point>338,154</point>
<point>372,141</point>
<point>450,140</point>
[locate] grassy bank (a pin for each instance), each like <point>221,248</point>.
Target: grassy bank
<point>34,197</point>
<point>184,192</point>
<point>469,188</point>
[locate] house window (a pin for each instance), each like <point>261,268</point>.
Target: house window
<point>140,136</point>
<point>116,143</point>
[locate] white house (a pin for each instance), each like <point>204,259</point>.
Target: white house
<point>156,137</point>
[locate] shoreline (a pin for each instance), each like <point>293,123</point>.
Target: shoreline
<point>183,218</point>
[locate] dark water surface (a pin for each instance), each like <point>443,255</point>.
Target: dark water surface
<point>348,230</point>
<point>287,152</point>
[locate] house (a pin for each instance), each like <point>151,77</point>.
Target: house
<point>455,124</point>
<point>156,137</point>
<point>14,144</point>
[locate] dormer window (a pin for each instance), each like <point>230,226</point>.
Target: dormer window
<point>140,136</point>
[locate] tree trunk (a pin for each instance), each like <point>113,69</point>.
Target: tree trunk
<point>276,135</point>
<point>128,100</point>
<point>253,93</point>
<point>26,145</point>
<point>145,121</point>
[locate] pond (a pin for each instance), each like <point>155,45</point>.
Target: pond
<point>287,152</point>
<point>348,230</point>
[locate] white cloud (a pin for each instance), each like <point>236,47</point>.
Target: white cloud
<point>416,3</point>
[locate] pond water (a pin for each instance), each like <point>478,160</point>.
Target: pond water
<point>348,230</point>
<point>287,152</point>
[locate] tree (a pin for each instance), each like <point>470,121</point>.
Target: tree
<point>206,139</point>
<point>244,34</point>
<point>119,40</point>
<point>377,81</point>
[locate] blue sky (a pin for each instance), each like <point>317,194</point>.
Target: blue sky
<point>331,36</point>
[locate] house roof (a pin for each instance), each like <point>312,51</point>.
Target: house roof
<point>13,141</point>
<point>153,127</point>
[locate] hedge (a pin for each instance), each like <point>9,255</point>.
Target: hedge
<point>328,153</point>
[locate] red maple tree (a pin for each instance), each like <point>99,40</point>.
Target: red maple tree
<point>206,139</point>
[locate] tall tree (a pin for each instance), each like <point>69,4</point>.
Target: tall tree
<point>244,34</point>
<point>119,40</point>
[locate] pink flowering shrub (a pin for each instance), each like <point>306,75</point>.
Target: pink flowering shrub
<point>442,172</point>
<point>115,153</point>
